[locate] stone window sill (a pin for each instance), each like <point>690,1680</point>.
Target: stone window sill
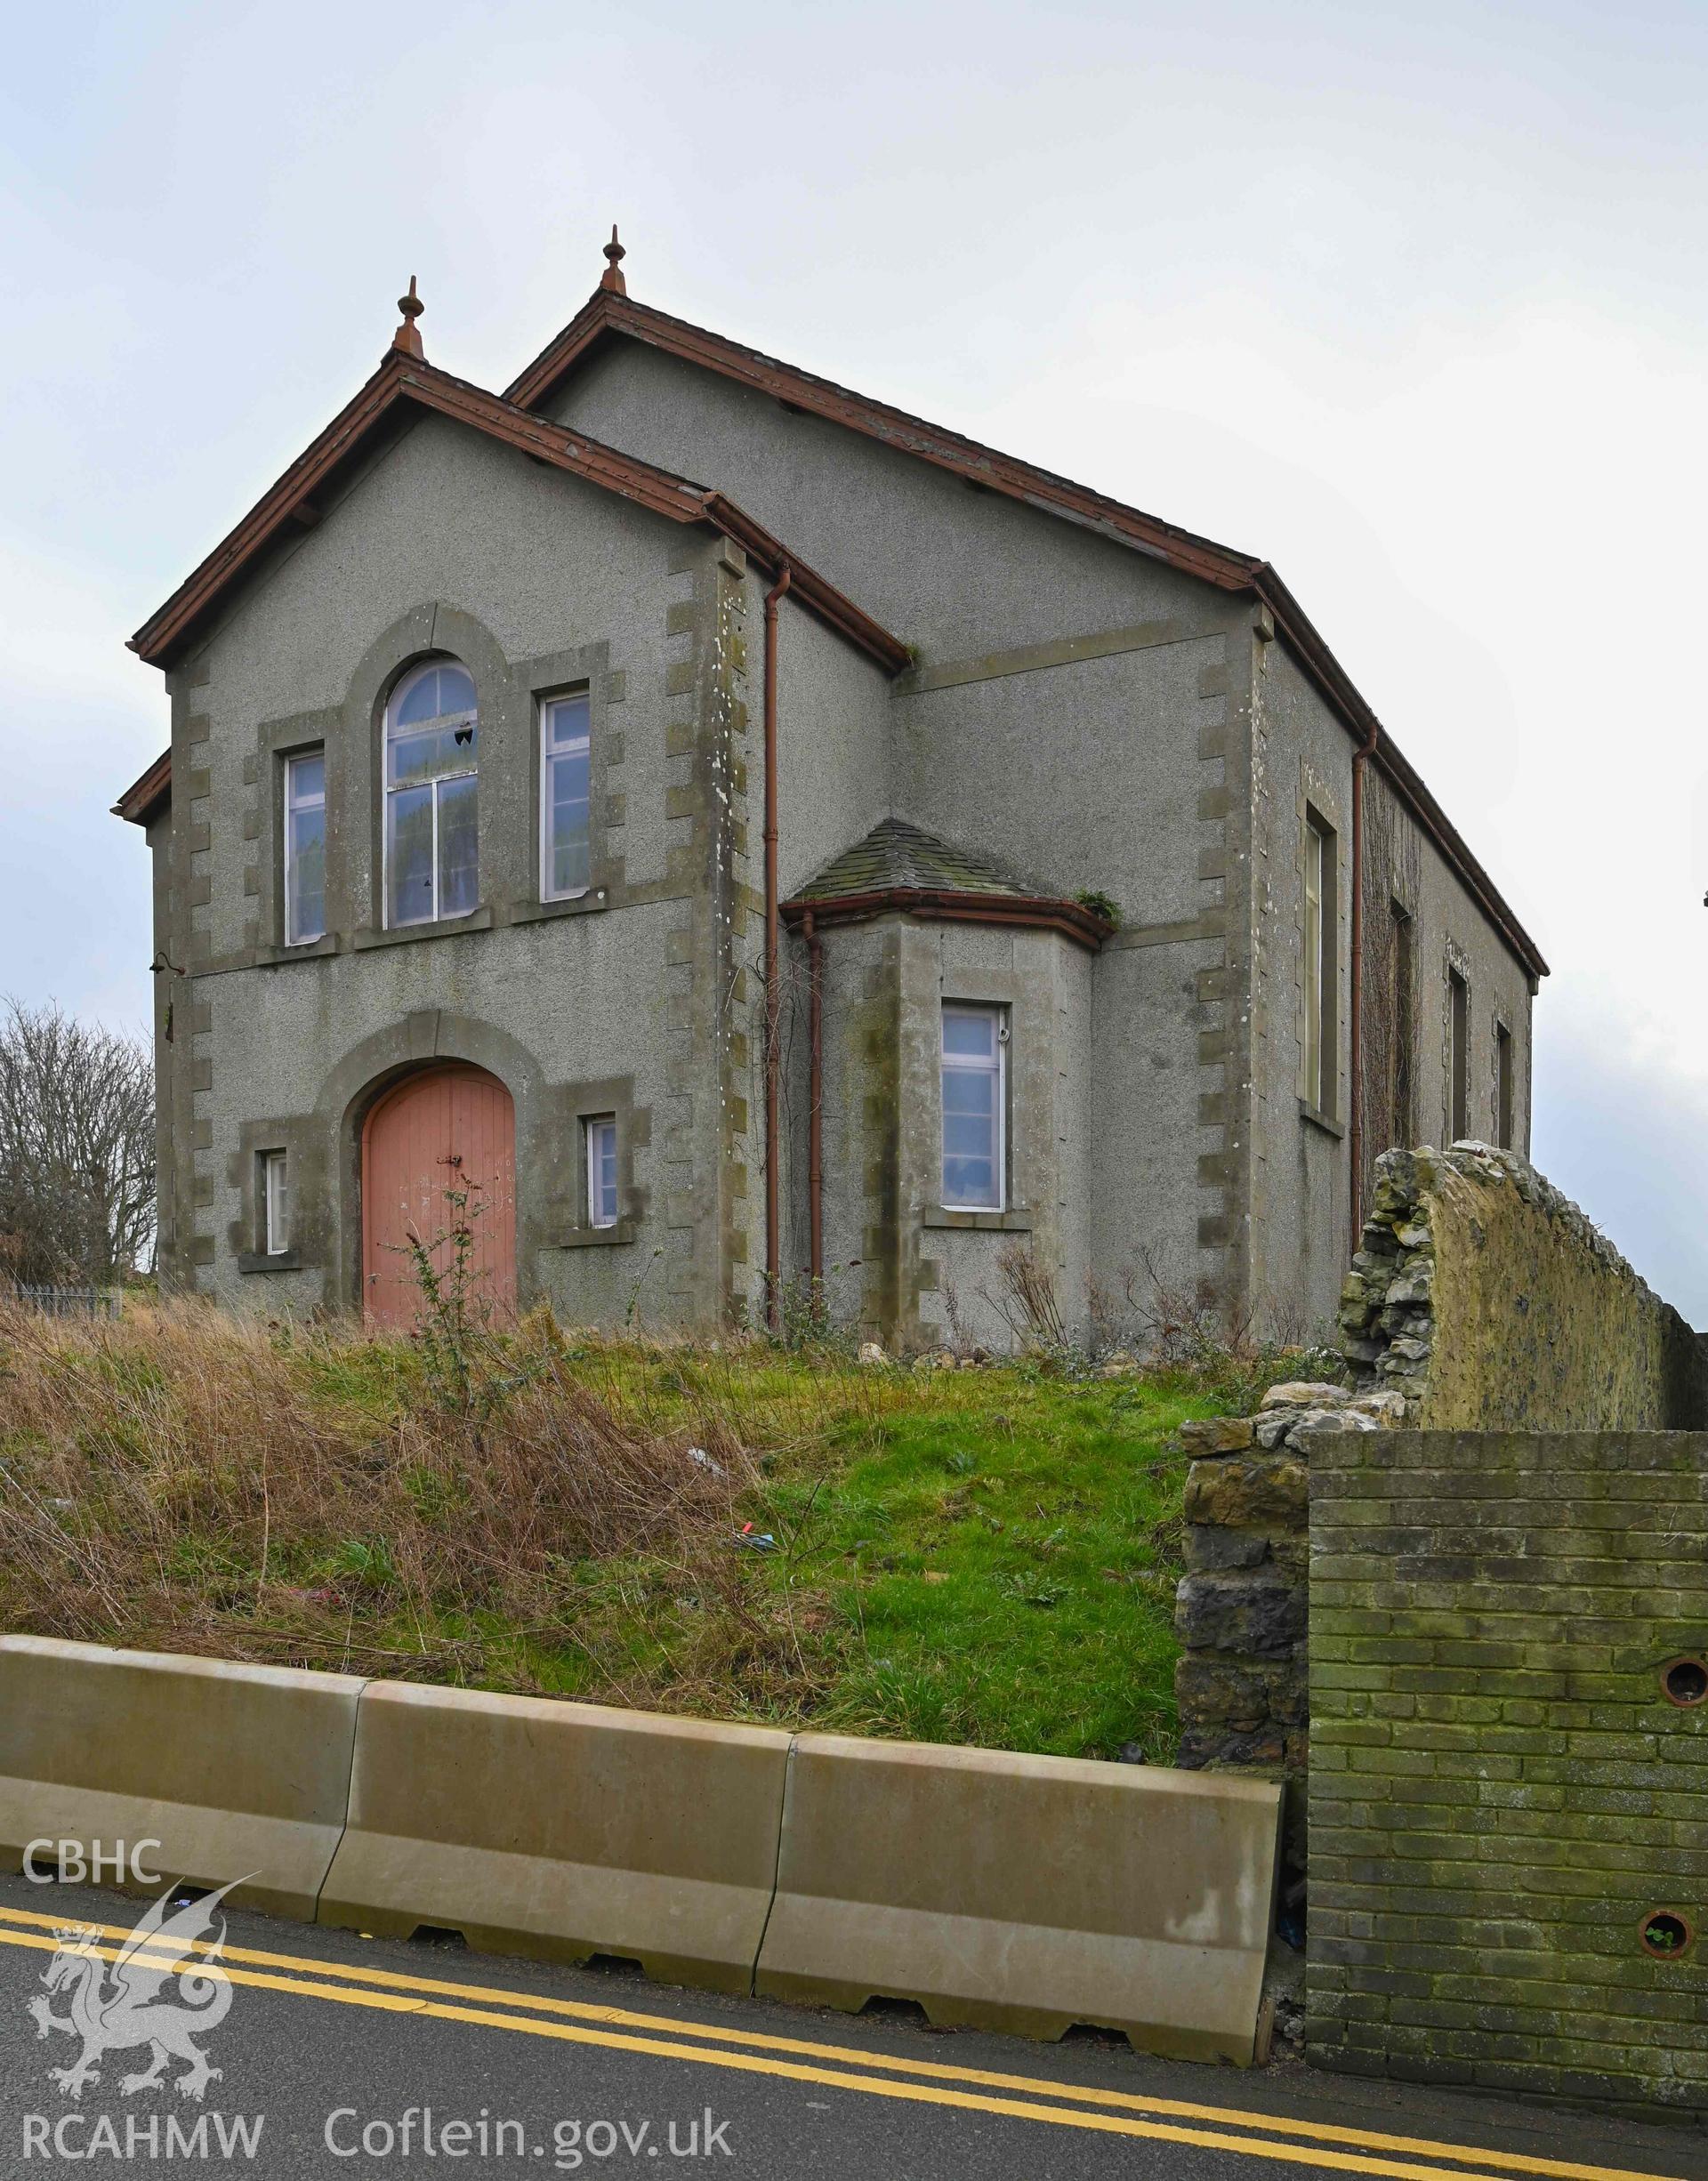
<point>597,1237</point>
<point>579,904</point>
<point>310,950</point>
<point>1017,1220</point>
<point>478,920</point>
<point>275,1260</point>
<point>1319,1119</point>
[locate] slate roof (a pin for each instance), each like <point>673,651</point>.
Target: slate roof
<point>896,857</point>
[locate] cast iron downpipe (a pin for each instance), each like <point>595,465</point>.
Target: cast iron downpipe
<point>1355,1118</point>
<point>815,1101</point>
<point>773,985</point>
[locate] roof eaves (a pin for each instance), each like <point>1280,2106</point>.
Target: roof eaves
<point>604,312</point>
<point>147,792</point>
<point>1035,912</point>
<point>1296,629</point>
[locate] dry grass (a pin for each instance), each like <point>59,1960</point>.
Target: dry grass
<point>190,1480</point>
<point>983,1556</point>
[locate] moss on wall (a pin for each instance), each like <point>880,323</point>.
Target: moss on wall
<point>1508,1759</point>
<point>1493,1303</point>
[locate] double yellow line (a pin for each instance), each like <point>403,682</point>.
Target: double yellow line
<point>1117,2112</point>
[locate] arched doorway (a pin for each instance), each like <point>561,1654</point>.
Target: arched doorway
<point>444,1133</point>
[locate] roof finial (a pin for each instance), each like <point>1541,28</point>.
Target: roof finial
<point>612,277</point>
<point>406,337</point>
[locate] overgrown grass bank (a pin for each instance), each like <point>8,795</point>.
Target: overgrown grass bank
<point>980,1555</point>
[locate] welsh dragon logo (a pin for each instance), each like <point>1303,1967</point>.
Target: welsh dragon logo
<point>142,1997</point>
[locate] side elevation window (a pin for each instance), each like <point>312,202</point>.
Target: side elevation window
<point>275,1195</point>
<point>431,856</point>
<point>565,868</point>
<point>1503,1086</point>
<point>1319,1042</point>
<point>601,1171</point>
<point>975,1152</point>
<point>305,847</point>
<point>1458,1054</point>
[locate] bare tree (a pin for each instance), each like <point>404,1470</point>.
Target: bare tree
<point>76,1149</point>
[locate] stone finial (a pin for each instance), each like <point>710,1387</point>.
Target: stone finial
<point>611,279</point>
<point>406,337</point>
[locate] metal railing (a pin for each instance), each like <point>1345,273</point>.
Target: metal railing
<point>65,1301</point>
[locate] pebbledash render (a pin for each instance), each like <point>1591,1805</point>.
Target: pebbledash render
<point>462,880</point>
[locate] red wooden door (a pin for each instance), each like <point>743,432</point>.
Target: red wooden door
<point>449,1131</point>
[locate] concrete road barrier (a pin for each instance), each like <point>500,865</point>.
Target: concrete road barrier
<point>1026,1894</point>
<point>235,1772</point>
<point>561,1830</point>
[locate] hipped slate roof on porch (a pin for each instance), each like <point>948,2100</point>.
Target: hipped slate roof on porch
<point>899,867</point>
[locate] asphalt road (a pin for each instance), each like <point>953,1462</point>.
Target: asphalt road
<point>345,2057</point>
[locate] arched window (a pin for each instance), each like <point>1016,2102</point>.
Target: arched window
<point>431,855</point>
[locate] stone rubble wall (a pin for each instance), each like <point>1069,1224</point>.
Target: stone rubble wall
<point>1491,1302</point>
<point>1241,1607</point>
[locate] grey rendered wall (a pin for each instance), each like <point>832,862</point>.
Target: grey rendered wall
<point>833,785</point>
<point>898,1263</point>
<point>1110,773</point>
<point>1072,713</point>
<point>617,1002</point>
<point>173,1009</point>
<point>835,729</point>
<point>956,570</point>
<point>1044,981</point>
<point>1447,926</point>
<point>1299,1175</point>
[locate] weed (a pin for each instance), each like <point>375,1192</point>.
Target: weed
<point>985,1555</point>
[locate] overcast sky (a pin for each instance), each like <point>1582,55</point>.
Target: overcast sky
<point>1411,301</point>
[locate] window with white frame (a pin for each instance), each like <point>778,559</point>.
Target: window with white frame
<point>566,851</point>
<point>305,847</point>
<point>975,1155</point>
<point>601,1132</point>
<point>274,1194</point>
<point>430,840</point>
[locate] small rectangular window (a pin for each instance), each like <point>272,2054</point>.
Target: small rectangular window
<point>601,1171</point>
<point>1503,1086</point>
<point>275,1204</point>
<point>566,795</point>
<point>1319,1043</point>
<point>305,847</point>
<point>1458,1054</point>
<point>975,1041</point>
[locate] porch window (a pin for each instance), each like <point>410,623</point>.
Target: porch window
<point>975,1152</point>
<point>431,842</point>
